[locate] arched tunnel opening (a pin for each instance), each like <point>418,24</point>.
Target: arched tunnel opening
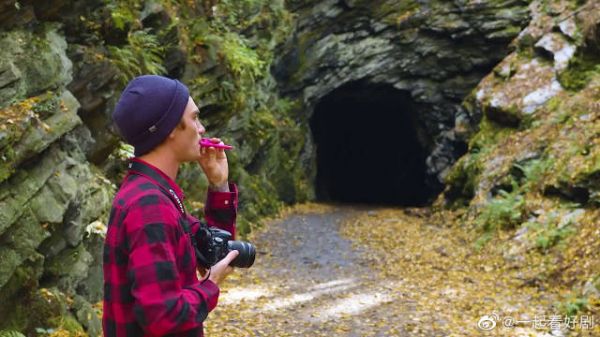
<point>368,148</point>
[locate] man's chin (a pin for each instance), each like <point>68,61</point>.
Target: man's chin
<point>194,156</point>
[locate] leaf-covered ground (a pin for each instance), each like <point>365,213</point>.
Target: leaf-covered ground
<point>357,271</point>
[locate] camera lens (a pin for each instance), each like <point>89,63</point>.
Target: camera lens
<point>245,259</point>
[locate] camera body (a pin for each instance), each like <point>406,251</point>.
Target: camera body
<point>213,244</point>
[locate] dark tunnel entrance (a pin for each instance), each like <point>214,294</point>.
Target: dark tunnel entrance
<point>368,150</point>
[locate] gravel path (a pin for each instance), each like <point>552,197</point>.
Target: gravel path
<point>309,281</point>
<point>422,278</point>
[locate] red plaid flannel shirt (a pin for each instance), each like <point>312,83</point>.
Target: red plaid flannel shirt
<point>150,283</point>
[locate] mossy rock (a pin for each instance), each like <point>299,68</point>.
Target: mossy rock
<point>66,324</point>
<point>462,180</point>
<point>38,62</point>
<point>24,280</point>
<point>37,309</point>
<point>580,72</point>
<point>69,267</point>
<point>30,126</point>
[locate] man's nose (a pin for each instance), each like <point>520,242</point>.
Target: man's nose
<point>201,129</point>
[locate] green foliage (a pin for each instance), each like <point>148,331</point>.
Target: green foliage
<point>241,60</point>
<point>240,38</point>
<point>125,151</point>
<point>68,324</point>
<point>533,172</point>
<point>10,333</point>
<point>573,305</point>
<point>551,237</point>
<point>505,211</point>
<point>483,240</point>
<point>236,13</point>
<point>142,55</point>
<point>549,233</point>
<point>124,12</point>
<point>580,72</point>
<point>230,47</point>
<point>508,209</point>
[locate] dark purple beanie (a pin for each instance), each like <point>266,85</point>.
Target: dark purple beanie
<point>150,107</point>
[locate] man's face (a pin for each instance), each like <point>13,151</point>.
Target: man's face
<point>186,136</point>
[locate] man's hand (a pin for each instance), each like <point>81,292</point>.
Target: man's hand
<point>221,269</point>
<point>214,164</point>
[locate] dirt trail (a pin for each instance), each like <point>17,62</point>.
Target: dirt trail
<point>348,271</point>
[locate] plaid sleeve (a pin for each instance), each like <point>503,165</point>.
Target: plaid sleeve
<point>221,209</point>
<point>162,305</point>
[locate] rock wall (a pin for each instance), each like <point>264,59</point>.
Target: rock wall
<point>436,50</point>
<point>532,103</point>
<point>62,66</point>
<point>53,200</point>
<point>529,182</point>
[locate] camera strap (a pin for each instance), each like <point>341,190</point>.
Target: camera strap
<point>143,169</point>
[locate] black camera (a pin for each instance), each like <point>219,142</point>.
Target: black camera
<point>213,244</point>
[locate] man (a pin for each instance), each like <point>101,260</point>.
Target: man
<point>151,287</point>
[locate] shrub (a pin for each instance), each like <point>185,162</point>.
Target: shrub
<point>505,211</point>
<point>142,55</point>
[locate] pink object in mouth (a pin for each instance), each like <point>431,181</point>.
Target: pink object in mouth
<point>206,142</point>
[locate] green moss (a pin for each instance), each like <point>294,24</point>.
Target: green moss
<point>580,71</point>
<point>18,119</point>
<point>305,41</point>
<point>578,165</point>
<point>124,13</point>
<point>47,105</point>
<point>261,199</point>
<point>394,12</point>
<point>490,134</point>
<point>67,323</point>
<point>559,114</point>
<point>35,310</point>
<point>6,163</point>
<point>463,179</point>
<point>465,175</point>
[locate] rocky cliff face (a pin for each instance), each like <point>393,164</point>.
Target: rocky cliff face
<point>62,65</point>
<point>529,181</point>
<point>435,51</point>
<point>53,201</point>
<point>532,104</point>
